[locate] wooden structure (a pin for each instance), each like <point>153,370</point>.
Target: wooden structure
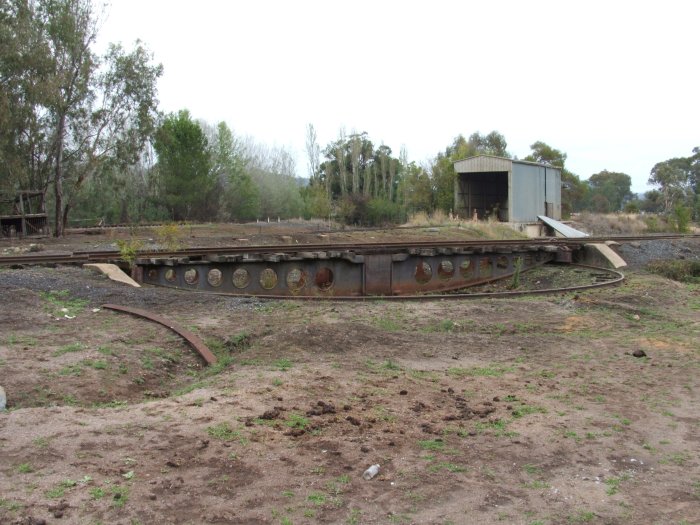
<point>23,214</point>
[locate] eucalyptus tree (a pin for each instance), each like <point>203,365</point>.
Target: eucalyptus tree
<point>74,113</point>
<point>678,180</point>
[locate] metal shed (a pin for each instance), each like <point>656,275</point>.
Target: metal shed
<point>511,190</point>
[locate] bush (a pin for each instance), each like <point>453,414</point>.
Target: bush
<point>682,271</point>
<point>680,218</point>
<point>383,211</point>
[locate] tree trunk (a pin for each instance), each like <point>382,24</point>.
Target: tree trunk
<point>58,179</point>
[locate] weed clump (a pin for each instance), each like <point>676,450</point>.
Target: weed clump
<point>681,271</point>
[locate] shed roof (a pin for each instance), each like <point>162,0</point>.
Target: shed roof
<point>486,163</point>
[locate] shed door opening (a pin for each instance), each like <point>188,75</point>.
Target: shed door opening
<point>484,193</point>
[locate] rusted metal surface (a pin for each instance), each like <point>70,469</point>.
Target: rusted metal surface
<point>194,341</point>
<point>414,270</point>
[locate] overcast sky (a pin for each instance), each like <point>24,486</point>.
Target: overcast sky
<point>614,84</point>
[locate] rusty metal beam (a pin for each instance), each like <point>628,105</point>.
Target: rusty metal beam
<point>334,273</point>
<point>194,341</point>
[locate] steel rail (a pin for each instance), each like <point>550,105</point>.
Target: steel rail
<point>194,341</point>
<point>78,257</point>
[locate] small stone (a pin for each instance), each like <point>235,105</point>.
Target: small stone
<point>364,449</point>
<point>639,353</point>
<point>152,497</point>
<point>403,393</point>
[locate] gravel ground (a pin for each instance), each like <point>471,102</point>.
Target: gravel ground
<point>639,254</point>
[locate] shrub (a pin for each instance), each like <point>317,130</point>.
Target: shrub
<point>682,271</point>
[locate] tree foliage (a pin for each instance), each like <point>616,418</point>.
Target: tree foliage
<point>678,180</point>
<point>184,167</point>
<point>609,190</point>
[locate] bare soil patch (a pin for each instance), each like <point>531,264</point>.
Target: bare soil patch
<point>527,410</point>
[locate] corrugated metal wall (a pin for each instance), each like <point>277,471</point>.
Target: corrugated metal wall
<point>527,192</point>
<point>482,163</point>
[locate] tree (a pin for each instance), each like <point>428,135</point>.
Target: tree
<point>573,192</point>
<point>313,152</point>
<point>74,115</point>
<point>184,165</point>
<point>273,171</point>
<point>679,181</point>
<point>239,196</point>
<point>610,187</point>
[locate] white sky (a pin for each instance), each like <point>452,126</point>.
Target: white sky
<point>612,83</point>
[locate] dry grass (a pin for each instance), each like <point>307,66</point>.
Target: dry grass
<point>621,223</point>
<point>490,229</point>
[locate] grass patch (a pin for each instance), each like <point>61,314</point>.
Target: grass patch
<point>61,303</point>
<point>25,468</point>
<point>614,484</point>
<point>389,325</point>
<point>283,365</point>
<point>10,505</point>
<point>317,498</point>
<point>297,421</point>
<point>223,431</point>
<point>120,495</point>
<point>444,465</point>
<point>583,516</point>
<point>525,410</point>
<point>41,442</point>
<point>488,371</point>
<point>71,370</point>
<point>532,470</point>
<point>432,444</point>
<point>684,271</point>
<point>67,349</point>
<point>536,484</point>
<point>445,326</point>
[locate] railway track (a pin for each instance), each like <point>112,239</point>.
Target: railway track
<point>84,256</point>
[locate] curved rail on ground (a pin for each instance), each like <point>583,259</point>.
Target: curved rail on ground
<point>194,341</point>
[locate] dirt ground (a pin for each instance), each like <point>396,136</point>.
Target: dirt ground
<point>530,411</point>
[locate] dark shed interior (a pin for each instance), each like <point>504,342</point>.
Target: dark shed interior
<point>484,193</point>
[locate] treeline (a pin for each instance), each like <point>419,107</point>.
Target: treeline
<point>86,130</point>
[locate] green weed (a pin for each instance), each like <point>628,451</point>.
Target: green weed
<point>223,431</point>
<point>73,347</point>
<point>282,365</point>
<point>60,303</point>
<point>488,371</point>
<point>120,495</point>
<point>25,468</point>
<point>318,498</point>
<point>10,505</point>
<point>450,467</point>
<point>525,410</point>
<point>432,444</point>
<point>297,421</point>
<point>614,484</point>
<point>581,517</point>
